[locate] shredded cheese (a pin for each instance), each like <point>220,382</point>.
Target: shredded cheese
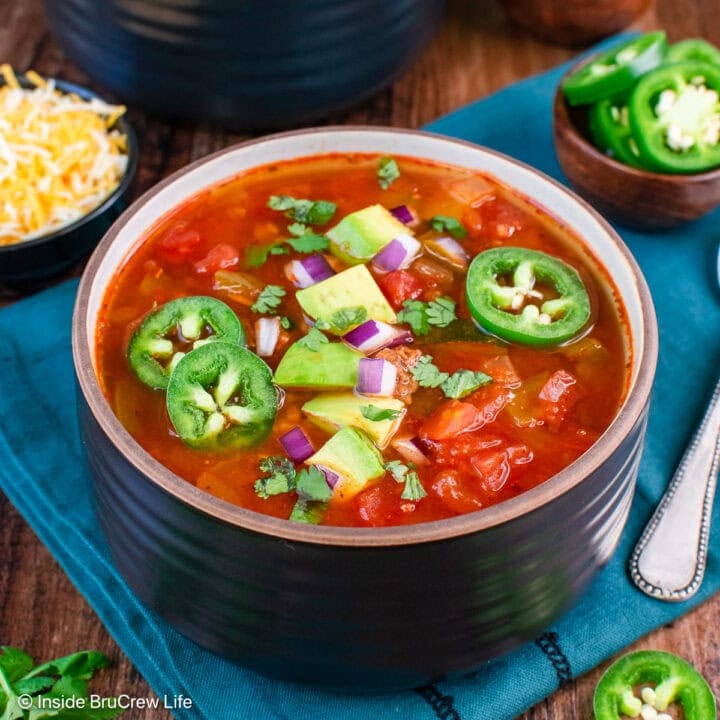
<point>59,157</point>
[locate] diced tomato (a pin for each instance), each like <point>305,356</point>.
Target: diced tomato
<point>450,419</point>
<point>179,245</point>
<point>557,396</point>
<point>490,401</point>
<point>399,286</point>
<point>379,505</point>
<point>519,454</point>
<point>501,370</point>
<point>220,257</point>
<point>495,219</point>
<point>493,469</point>
<point>449,488</point>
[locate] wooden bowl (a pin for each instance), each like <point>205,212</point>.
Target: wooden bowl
<point>636,198</point>
<point>574,23</point>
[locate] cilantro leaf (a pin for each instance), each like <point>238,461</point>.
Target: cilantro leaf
<point>310,242</point>
<point>377,414</point>
<point>427,374</point>
<point>314,212</point>
<point>312,485</point>
<point>414,314</point>
<point>286,323</point>
<point>313,340</point>
<point>308,512</point>
<point>441,311</point>
<point>387,172</point>
<point>15,663</point>
<point>280,477</point>
<point>257,255</point>
<point>445,223</point>
<point>348,316</point>
<point>298,229</point>
<point>464,382</point>
<point>268,300</point>
<point>413,489</point>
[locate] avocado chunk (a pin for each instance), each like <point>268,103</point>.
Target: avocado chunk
<point>330,411</point>
<point>361,235</point>
<point>351,454</point>
<point>333,365</point>
<point>351,288</point>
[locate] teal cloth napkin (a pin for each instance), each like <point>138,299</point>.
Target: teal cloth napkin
<point>43,473</point>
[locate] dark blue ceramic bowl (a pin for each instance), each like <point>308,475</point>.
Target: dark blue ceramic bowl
<point>28,263</point>
<point>243,63</point>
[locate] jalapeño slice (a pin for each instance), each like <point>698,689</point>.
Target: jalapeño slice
<point>504,300</point>
<point>168,332</point>
<point>614,72</point>
<point>610,129</point>
<point>693,49</point>
<point>675,117</point>
<point>645,683</point>
<point>221,396</point>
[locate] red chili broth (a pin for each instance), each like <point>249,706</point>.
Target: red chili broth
<point>464,473</point>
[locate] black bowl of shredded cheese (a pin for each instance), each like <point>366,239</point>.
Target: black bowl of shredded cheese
<point>67,159</point>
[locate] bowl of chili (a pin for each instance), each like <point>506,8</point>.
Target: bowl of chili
<point>623,132</point>
<point>361,570</point>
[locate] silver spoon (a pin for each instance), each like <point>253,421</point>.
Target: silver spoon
<point>669,560</point>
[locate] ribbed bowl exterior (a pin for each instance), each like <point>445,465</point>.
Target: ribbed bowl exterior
<point>243,63</point>
<point>358,617</point>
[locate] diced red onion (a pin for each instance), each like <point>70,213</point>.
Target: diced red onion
<point>450,250</point>
<point>409,449</point>
<point>376,377</point>
<point>371,336</point>
<point>404,214</point>
<point>331,476</point>
<point>308,271</point>
<point>267,334</point>
<point>297,445</point>
<point>402,337</point>
<point>397,254</point>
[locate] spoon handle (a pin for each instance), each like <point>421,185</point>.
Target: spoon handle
<point>668,561</point>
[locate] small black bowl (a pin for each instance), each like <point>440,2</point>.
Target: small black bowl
<point>27,263</point>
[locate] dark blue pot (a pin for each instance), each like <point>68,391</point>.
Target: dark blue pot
<point>246,64</point>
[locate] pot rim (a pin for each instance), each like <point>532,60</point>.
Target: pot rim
<point>630,413</point>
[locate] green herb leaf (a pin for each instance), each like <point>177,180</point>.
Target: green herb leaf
<point>298,229</point>
<point>445,223</point>
<point>314,212</point>
<point>427,374</point>
<point>397,469</point>
<point>15,663</point>
<point>464,382</point>
<point>413,489</point>
<point>348,317</point>
<point>441,311</point>
<point>281,477</point>
<point>313,340</point>
<point>312,485</point>
<point>268,300</point>
<point>257,255</point>
<point>415,315</point>
<point>309,243</point>
<point>308,512</point>
<point>286,323</point>
<point>387,172</point>
<point>377,414</point>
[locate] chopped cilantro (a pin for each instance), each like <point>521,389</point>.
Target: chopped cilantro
<point>445,223</point>
<point>414,314</point>
<point>312,485</point>
<point>441,312</point>
<point>420,315</point>
<point>387,172</point>
<point>464,382</point>
<point>308,243</point>
<point>313,340</point>
<point>314,212</point>
<point>257,255</point>
<point>308,512</point>
<point>413,489</point>
<point>298,229</point>
<point>286,323</point>
<point>427,374</point>
<point>348,317</point>
<point>269,299</point>
<point>280,477</point>
<point>377,414</point>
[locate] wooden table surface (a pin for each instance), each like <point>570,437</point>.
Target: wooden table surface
<point>476,52</point>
